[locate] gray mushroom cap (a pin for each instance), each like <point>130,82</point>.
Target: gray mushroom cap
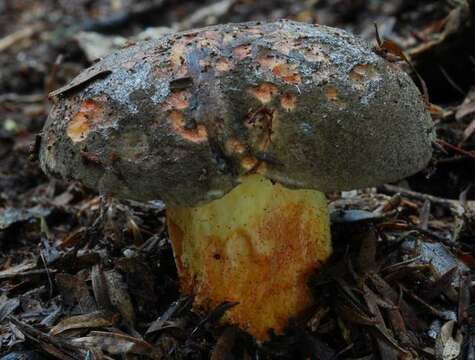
<point>185,117</point>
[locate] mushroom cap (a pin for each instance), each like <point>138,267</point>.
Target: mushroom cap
<point>182,118</point>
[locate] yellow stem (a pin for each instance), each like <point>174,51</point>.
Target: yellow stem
<point>257,245</point>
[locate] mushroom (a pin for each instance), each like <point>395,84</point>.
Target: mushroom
<point>240,129</point>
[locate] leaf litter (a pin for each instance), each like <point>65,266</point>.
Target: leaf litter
<point>83,276</point>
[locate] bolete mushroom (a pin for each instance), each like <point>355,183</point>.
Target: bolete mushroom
<point>239,129</point>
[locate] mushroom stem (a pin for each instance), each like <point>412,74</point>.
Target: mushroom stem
<point>257,245</point>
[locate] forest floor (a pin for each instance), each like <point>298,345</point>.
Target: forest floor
<point>84,277</point>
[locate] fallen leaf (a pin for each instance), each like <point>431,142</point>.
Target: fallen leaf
<point>448,344</point>
<point>469,130</point>
<point>386,351</point>
<point>92,320</point>
<point>119,344</point>
<point>58,348</point>
<point>11,216</point>
<point>119,296</point>
<point>22,355</point>
<point>75,292</point>
<point>21,269</point>
<point>175,307</point>
<point>465,109</point>
<point>82,79</point>
<point>214,315</point>
<point>99,288</point>
<point>442,285</point>
<point>7,306</point>
<point>409,316</point>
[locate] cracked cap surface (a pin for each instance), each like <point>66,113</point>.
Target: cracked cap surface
<point>182,118</point>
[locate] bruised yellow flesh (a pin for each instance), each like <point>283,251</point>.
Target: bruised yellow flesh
<point>257,245</point>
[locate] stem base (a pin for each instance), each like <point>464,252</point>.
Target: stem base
<point>257,245</point>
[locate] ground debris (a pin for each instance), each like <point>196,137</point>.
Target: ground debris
<point>447,346</point>
<point>91,320</point>
<point>58,348</point>
<point>117,343</point>
<point>13,216</point>
<point>86,277</point>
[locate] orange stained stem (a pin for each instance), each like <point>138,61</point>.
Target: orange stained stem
<point>257,245</point>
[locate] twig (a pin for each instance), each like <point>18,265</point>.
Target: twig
<point>456,148</point>
<point>118,20</point>
<point>216,10</point>
<point>24,274</point>
<point>214,315</point>
<point>436,312</point>
<point>386,47</point>
<point>50,280</point>
<point>451,81</point>
<point>452,204</point>
<point>19,35</point>
<point>52,77</point>
<point>424,215</point>
<point>29,99</point>
<point>431,234</point>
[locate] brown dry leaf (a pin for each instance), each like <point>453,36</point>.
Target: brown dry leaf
<point>437,112</point>
<point>82,79</point>
<point>465,298</point>
<point>58,348</point>
<point>119,344</point>
<point>16,336</point>
<point>354,315</point>
<point>394,49</point>
<point>384,336</point>
<point>135,230</point>
<point>99,288</point>
<point>211,12</point>
<point>119,296</point>
<point>470,129</point>
<point>386,351</point>
<point>467,108</point>
<point>453,23</point>
<point>92,320</point>
<point>350,308</point>
<point>393,52</point>
<point>467,259</point>
<point>19,36</point>
<point>390,295</point>
<point>18,269</point>
<point>75,291</point>
<point>175,307</point>
<point>72,238</point>
<point>442,285</point>
<point>141,282</point>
